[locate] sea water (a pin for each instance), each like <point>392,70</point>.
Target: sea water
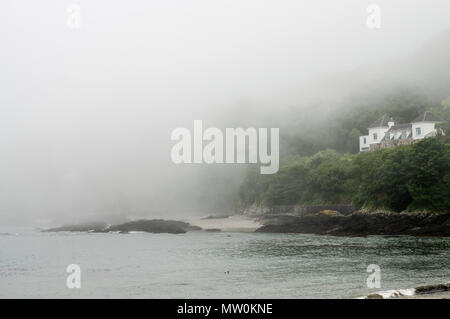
<point>203,264</point>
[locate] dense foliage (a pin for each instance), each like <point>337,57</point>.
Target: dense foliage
<point>322,166</point>
<point>413,177</point>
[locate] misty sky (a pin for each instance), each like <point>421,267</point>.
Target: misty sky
<point>86,114</point>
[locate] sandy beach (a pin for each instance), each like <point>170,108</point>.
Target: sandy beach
<point>227,224</point>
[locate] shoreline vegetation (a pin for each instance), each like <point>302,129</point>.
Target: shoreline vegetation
<point>332,189</point>
<point>399,189</point>
<point>405,178</point>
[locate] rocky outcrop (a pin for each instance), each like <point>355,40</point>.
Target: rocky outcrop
<point>153,226</point>
<point>361,223</point>
<point>438,291</point>
<point>429,289</point>
<point>145,225</point>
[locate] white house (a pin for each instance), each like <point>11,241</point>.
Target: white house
<point>376,132</point>
<point>424,126</point>
<point>384,133</point>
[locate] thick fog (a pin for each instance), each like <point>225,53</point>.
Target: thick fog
<point>86,112</point>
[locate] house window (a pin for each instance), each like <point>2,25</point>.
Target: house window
<point>418,131</point>
<point>403,134</point>
<point>387,136</point>
<point>365,141</point>
<point>375,136</point>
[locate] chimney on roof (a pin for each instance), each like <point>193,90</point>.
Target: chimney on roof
<point>391,122</point>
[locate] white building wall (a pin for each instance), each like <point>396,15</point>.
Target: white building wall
<point>379,131</point>
<point>425,128</point>
<point>364,146</point>
<point>367,140</point>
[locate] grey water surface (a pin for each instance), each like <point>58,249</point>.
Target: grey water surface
<point>214,264</point>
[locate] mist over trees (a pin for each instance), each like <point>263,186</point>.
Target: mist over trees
<point>86,114</point>
<point>322,166</point>
<point>318,165</point>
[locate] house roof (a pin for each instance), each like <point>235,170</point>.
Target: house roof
<point>427,117</point>
<point>400,127</point>
<point>381,122</point>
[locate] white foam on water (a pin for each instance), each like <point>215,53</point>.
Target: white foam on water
<point>408,292</point>
<point>388,294</point>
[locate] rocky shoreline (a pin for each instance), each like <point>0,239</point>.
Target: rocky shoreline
<point>439,291</point>
<point>155,226</point>
<point>360,223</point>
<point>325,222</point>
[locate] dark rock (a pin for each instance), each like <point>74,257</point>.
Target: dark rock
<point>216,217</point>
<point>362,223</point>
<point>149,226</point>
<point>374,296</point>
<point>433,288</point>
<point>153,226</point>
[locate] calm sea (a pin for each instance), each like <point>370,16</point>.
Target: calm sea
<point>214,265</point>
